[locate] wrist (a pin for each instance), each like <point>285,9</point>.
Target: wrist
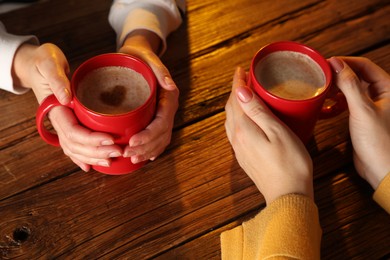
<point>20,65</point>
<point>301,187</point>
<point>375,179</point>
<point>143,39</point>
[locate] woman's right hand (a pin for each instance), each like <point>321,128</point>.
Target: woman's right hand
<point>83,146</point>
<point>367,89</point>
<point>44,69</point>
<point>267,150</point>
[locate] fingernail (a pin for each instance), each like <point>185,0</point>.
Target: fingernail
<point>238,70</point>
<point>107,142</point>
<point>103,163</point>
<point>129,154</point>
<point>337,64</point>
<point>135,160</point>
<point>135,143</point>
<point>152,159</point>
<point>66,98</point>
<point>244,94</point>
<point>85,168</point>
<point>169,81</point>
<point>114,154</point>
<point>67,92</point>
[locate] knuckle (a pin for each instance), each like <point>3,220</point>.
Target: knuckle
<point>350,79</point>
<point>239,135</point>
<point>365,60</point>
<point>256,111</point>
<point>67,153</point>
<point>176,94</point>
<point>68,135</point>
<point>277,130</point>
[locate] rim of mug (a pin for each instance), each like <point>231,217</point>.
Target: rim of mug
<point>153,86</point>
<point>291,46</point>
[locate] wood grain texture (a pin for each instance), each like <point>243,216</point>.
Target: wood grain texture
<point>177,206</point>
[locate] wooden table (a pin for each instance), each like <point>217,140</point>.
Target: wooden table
<point>177,206</point>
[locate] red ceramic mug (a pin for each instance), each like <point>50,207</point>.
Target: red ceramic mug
<point>121,125</point>
<point>272,67</point>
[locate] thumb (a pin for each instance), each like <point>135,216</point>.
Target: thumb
<point>256,109</point>
<point>54,69</point>
<point>349,83</point>
<point>250,103</point>
<point>163,76</point>
<point>161,72</point>
<point>60,85</point>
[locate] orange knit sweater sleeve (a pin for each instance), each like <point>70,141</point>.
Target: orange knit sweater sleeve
<point>288,228</point>
<point>382,193</point>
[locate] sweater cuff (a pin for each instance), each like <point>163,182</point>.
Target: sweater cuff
<point>292,228</point>
<point>232,244</point>
<point>126,18</point>
<point>9,44</point>
<point>382,194</point>
<point>289,226</point>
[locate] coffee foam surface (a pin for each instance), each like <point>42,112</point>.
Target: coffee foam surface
<point>290,75</point>
<point>113,90</point>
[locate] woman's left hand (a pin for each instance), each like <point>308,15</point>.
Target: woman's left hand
<point>152,141</point>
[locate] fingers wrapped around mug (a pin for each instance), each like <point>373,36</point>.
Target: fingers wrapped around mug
<point>366,87</point>
<point>114,95</point>
<point>83,146</point>
<point>268,151</point>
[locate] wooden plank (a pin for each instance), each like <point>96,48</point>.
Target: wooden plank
<point>214,86</point>
<point>181,158</point>
<point>30,163</point>
<point>26,129</point>
<point>211,23</point>
<point>145,213</point>
<point>79,28</point>
<point>137,208</point>
<point>208,23</point>
<point>358,229</point>
<point>212,77</point>
<point>350,218</point>
<point>23,137</point>
<point>17,116</point>
<point>165,209</point>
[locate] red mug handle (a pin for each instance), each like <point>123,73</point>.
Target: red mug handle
<point>49,102</point>
<point>339,104</point>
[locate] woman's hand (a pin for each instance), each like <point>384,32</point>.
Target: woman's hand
<point>151,142</point>
<point>367,89</point>
<point>44,69</point>
<point>268,151</point>
<point>83,146</point>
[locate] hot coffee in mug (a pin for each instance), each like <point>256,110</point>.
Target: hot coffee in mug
<point>113,90</point>
<point>290,75</point>
<point>112,93</point>
<point>293,80</point>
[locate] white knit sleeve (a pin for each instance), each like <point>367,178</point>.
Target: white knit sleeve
<point>159,16</point>
<point>9,44</point>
